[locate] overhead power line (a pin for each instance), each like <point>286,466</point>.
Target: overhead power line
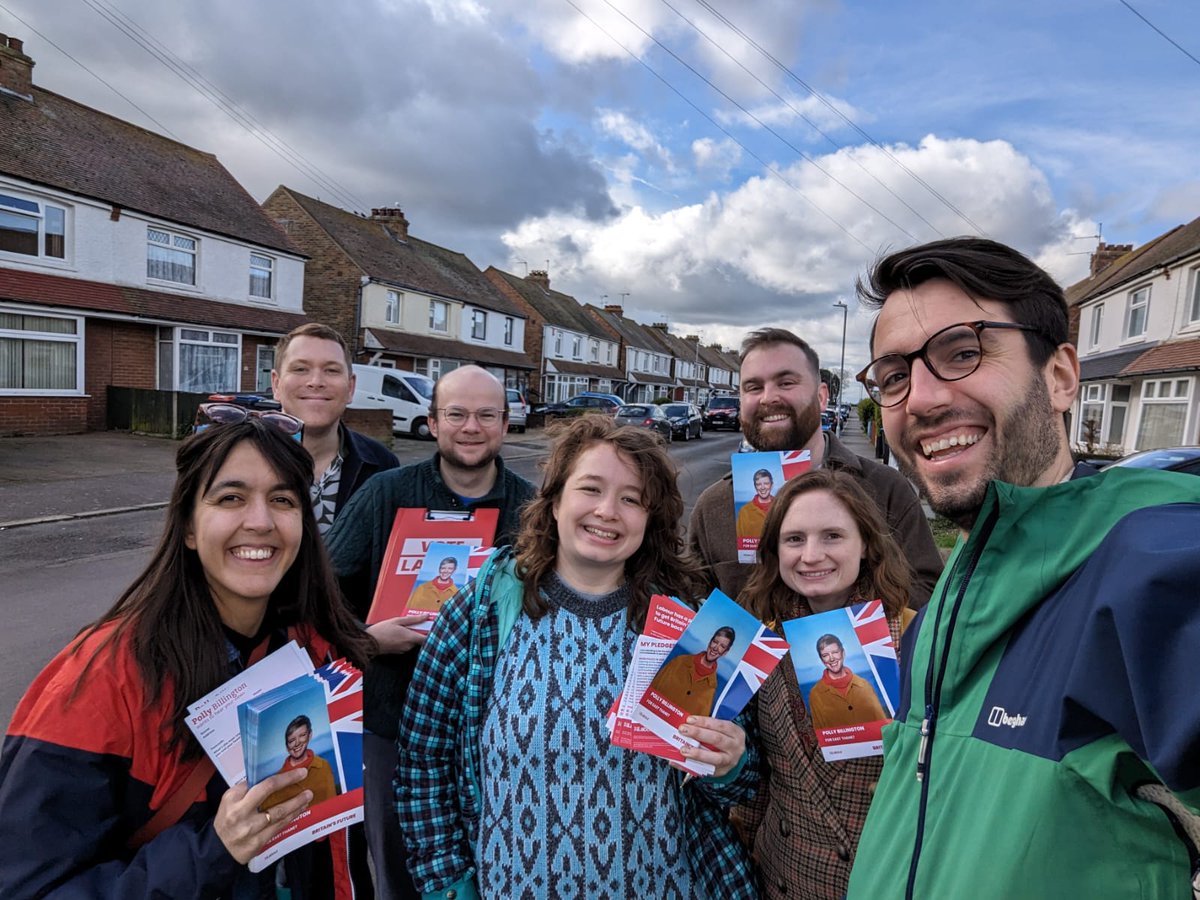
<point>222,101</point>
<point>1165,36</point>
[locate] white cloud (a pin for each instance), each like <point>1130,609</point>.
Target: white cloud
<point>716,158</point>
<point>618,125</point>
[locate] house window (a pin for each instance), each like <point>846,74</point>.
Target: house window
<point>508,330</point>
<point>577,347</point>
<point>1097,324</point>
<point>1135,313</point>
<point>264,363</point>
<point>558,343</point>
<point>199,360</point>
<point>170,256</point>
<point>479,325</point>
<point>439,316</point>
<point>1091,413</point>
<point>595,346</point>
<point>1118,409</point>
<point>40,353</point>
<point>261,268</point>
<point>1194,305</point>
<point>657,363</point>
<point>609,353</point>
<point>1164,413</point>
<point>431,368</point>
<point>391,309</point>
<point>32,228</point>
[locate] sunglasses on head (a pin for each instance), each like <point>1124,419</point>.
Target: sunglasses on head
<point>230,414</point>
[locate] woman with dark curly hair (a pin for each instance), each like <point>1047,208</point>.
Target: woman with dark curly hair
<point>824,546</point>
<point>507,785</point>
<point>104,792</point>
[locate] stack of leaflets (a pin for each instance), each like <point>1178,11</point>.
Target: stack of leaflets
<point>416,569</point>
<point>708,663</point>
<point>757,478</point>
<point>280,714</point>
<point>845,662</point>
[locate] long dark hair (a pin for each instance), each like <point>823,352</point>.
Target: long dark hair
<point>661,564</point>
<point>884,574</point>
<point>168,615</point>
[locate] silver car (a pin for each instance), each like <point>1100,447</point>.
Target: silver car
<point>518,410</point>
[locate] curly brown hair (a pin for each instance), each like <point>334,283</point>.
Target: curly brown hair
<point>661,565</point>
<point>885,574</point>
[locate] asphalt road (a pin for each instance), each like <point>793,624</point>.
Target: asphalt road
<point>58,577</point>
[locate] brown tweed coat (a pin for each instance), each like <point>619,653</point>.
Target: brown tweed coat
<point>803,825</point>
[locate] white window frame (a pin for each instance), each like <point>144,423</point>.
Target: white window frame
<point>577,347</point>
<point>24,334</point>
<point>479,325</point>
<point>1160,392</point>
<point>175,243</point>
<point>171,340</point>
<point>1138,301</point>
<point>594,346</point>
<point>260,263</point>
<point>391,308</point>
<point>1193,308</point>
<point>609,353</point>
<point>264,362</point>
<point>508,330</point>
<point>434,305</point>
<point>558,343</point>
<point>1093,396</point>
<point>1097,325</point>
<point>17,203</point>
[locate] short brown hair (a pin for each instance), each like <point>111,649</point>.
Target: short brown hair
<point>662,565</point>
<point>315,330</point>
<point>884,574</point>
<point>769,337</point>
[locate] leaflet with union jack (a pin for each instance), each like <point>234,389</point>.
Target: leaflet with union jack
<point>757,478</point>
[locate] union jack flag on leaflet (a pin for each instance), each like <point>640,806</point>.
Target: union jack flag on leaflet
<point>871,627</point>
<point>759,661</point>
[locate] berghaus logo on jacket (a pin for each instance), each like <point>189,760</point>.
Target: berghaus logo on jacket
<point>999,717</point>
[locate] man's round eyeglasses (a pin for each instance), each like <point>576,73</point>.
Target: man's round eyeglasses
<point>950,355</point>
<point>486,417</point>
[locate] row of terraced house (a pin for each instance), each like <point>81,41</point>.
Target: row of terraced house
<point>129,261</point>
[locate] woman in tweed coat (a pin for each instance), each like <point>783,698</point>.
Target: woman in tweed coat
<point>824,546</point>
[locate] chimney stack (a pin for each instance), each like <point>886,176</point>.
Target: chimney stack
<point>1107,254</point>
<point>540,277</point>
<point>392,218</point>
<point>16,69</point>
<point>615,308</point>
<point>661,326</point>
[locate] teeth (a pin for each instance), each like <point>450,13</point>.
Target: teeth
<point>254,552</point>
<point>957,440</point>
<point>607,535</point>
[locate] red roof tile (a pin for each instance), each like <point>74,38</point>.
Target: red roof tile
<point>96,297</point>
<point>1176,356</point>
<point>1165,250</point>
<point>424,345</point>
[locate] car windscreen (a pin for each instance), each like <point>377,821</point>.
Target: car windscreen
<point>626,412</point>
<point>675,410</point>
<point>723,403</point>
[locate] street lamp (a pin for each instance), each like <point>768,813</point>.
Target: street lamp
<point>842,371</point>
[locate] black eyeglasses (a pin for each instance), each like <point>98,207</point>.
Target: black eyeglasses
<point>950,355</point>
<point>230,414</point>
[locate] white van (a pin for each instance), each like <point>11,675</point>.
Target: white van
<point>406,394</point>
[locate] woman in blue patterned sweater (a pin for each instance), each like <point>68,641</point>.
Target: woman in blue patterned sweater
<point>507,785</point>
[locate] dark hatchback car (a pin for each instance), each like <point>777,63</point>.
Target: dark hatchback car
<point>722,412</point>
<point>584,403</point>
<point>685,419</point>
<point>645,415</point>
<point>1173,459</point>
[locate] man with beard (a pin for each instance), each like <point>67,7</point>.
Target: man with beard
<point>782,398</point>
<point>1046,744</point>
<point>468,417</point>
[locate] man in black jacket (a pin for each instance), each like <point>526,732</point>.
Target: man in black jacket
<point>314,382</point>
<point>468,416</point>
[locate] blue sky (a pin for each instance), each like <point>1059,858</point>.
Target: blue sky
<point>521,133</point>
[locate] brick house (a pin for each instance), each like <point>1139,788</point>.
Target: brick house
<point>645,361</point>
<point>126,259</point>
<point>1136,323</point>
<point>687,367</point>
<point>572,351</point>
<point>398,300</point>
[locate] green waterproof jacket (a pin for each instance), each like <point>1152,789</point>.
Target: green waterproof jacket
<point>1055,670</point>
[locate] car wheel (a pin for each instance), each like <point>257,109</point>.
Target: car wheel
<point>699,433</point>
<point>687,435</point>
<point>520,429</point>
<point>421,429</point>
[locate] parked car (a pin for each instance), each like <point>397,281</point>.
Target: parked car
<point>722,412</point>
<point>406,394</point>
<point>645,415</point>
<point>828,417</point>
<point>686,421</point>
<point>586,402</point>
<point>518,410</point>
<point>1173,459</point>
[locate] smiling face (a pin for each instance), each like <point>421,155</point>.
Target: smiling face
<point>1004,421</point>
<point>246,530</point>
<point>820,550</point>
<point>446,569</point>
<point>312,382</point>
<point>470,445</point>
<point>762,486</point>
<point>782,398</point>
<point>600,517</point>
<point>297,742</point>
<point>833,656</point>
<point>717,647</point>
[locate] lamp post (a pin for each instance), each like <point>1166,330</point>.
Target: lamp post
<point>842,371</point>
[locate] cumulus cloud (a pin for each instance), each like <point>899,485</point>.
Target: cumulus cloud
<point>716,158</point>
<point>620,126</point>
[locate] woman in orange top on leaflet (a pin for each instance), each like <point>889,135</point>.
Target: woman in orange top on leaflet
<point>690,681</point>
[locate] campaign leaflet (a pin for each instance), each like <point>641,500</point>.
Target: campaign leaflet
<point>851,682</point>
<point>719,662</point>
<point>413,531</point>
<point>446,570</point>
<point>757,478</point>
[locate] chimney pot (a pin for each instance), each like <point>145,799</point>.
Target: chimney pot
<point>539,277</point>
<point>16,69</point>
<point>615,308</point>
<point>392,218</point>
